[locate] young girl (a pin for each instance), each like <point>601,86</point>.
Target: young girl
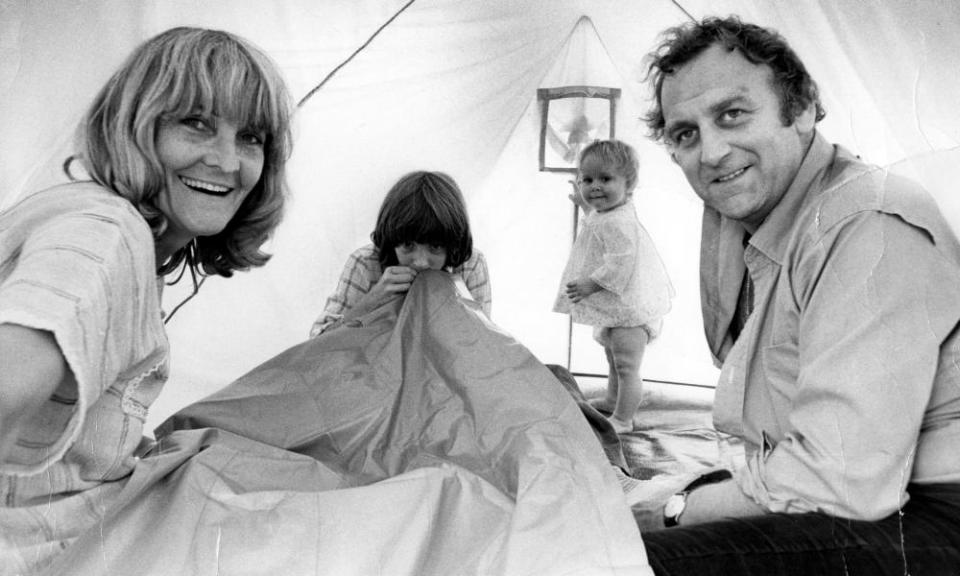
<point>422,225</point>
<point>614,279</point>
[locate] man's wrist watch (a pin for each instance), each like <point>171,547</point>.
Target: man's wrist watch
<point>677,503</point>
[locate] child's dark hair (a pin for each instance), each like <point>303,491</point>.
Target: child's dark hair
<point>427,208</point>
<point>615,153</point>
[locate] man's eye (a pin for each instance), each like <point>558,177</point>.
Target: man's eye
<point>683,137</point>
<point>732,114</point>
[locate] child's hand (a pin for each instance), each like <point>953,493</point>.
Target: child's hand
<point>577,199</point>
<point>395,280</point>
<point>577,290</point>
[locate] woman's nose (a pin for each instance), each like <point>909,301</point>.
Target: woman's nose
<point>222,153</point>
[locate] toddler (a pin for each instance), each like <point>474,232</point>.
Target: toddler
<point>614,279</point>
<point>422,225</point>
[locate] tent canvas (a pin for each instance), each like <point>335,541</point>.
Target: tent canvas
<point>451,85</point>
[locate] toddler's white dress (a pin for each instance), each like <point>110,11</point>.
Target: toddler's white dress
<point>617,253</point>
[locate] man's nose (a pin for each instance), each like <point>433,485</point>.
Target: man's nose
<point>713,147</point>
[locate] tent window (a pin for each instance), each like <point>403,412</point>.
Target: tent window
<point>570,118</point>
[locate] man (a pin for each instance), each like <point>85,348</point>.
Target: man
<point>831,299</point>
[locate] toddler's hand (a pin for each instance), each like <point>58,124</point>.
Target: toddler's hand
<point>577,290</point>
<point>577,199</point>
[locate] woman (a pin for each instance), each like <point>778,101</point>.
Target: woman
<point>185,149</point>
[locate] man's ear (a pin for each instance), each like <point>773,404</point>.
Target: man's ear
<point>806,120</point>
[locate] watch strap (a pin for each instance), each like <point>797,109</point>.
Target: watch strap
<point>709,478</point>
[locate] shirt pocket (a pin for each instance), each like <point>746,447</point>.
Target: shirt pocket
<point>781,370</point>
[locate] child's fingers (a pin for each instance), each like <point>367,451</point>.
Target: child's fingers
<point>399,274</point>
<point>405,275</point>
<point>397,279</point>
<point>398,287</point>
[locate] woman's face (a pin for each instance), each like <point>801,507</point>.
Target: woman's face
<point>210,165</point>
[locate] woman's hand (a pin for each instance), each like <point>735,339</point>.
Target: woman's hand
<point>577,290</point>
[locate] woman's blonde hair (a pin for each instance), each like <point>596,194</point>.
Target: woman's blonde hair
<point>179,72</point>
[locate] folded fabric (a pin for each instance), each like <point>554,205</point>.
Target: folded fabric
<point>421,439</point>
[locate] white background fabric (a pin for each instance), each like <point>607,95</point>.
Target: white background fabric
<point>450,85</point>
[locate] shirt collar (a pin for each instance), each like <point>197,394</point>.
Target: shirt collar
<point>772,236</point>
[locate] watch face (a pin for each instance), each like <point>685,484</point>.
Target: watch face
<point>675,505</point>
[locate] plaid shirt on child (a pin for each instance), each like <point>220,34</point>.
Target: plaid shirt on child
<point>362,271</point>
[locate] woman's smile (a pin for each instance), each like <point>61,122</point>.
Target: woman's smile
<point>205,187</point>
<point>210,165</point>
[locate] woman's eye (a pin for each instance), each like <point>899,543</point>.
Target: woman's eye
<point>434,249</point>
<point>195,122</point>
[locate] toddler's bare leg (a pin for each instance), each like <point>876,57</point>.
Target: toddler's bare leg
<point>627,346</point>
<point>609,401</point>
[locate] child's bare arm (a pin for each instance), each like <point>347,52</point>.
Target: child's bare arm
<point>577,199</point>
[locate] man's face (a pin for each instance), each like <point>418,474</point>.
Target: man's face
<point>723,127</point>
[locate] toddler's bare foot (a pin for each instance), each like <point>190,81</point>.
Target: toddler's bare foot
<point>621,426</point>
